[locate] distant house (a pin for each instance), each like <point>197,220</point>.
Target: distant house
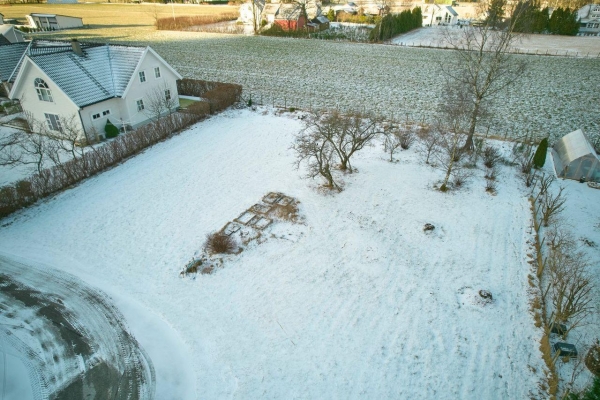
<point>438,14</point>
<point>575,158</point>
<point>290,17</point>
<point>11,34</point>
<point>589,20</point>
<point>251,12</point>
<point>53,21</point>
<point>322,22</point>
<point>85,84</point>
<point>11,55</point>
<point>1,18</point>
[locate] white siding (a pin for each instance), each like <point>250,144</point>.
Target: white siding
<point>60,105</point>
<point>96,126</point>
<point>139,90</point>
<point>68,22</point>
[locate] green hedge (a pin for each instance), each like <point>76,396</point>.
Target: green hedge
<point>395,24</point>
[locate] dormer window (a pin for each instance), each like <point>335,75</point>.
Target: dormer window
<point>42,89</point>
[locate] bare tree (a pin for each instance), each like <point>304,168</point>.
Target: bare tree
<point>318,153</point>
<point>483,66</point>
<point>428,142</point>
<point>552,206</point>
<point>570,287</point>
<point>450,125</point>
<point>392,140</point>
<point>347,134</point>
<point>161,102</point>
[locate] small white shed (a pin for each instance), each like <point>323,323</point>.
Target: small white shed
<point>575,158</point>
<point>53,22</point>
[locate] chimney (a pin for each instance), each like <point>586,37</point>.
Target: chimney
<point>76,47</point>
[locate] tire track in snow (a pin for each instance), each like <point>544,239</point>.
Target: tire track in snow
<point>69,308</point>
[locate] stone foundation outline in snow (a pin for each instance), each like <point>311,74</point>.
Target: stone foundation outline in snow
<point>247,228</point>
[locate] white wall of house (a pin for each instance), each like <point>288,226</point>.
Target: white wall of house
<point>94,117</point>
<point>69,22</point>
<point>61,105</point>
<point>1,19</point>
<point>51,21</point>
<point>143,90</point>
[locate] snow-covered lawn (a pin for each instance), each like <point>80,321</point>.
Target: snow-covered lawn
<point>574,46</point>
<point>355,302</point>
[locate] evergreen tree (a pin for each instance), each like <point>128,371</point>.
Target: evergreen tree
<point>495,13</point>
<point>111,130</point>
<point>539,159</point>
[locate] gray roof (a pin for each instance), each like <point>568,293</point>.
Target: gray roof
<point>103,72</point>
<point>289,12</point>
<point>452,11</point>
<point>10,55</point>
<point>3,40</point>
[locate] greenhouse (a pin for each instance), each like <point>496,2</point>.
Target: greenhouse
<point>574,158</point>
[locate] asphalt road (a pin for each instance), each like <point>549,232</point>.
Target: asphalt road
<point>73,342</point>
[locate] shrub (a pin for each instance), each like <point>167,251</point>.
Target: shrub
<point>219,243</point>
<point>218,95</point>
<point>491,156</point>
<point>184,22</point>
<point>111,130</point>
<point>406,140</point>
<point>490,186</point>
<point>539,159</point>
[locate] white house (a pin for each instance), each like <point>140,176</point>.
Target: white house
<point>437,14</point>
<point>53,22</point>
<point>1,18</point>
<point>589,20</point>
<point>11,34</point>
<point>85,84</point>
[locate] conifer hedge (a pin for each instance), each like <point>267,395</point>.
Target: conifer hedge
<point>395,24</point>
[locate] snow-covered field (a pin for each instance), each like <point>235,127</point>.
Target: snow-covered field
<point>573,46</point>
<point>357,301</point>
<point>553,99</point>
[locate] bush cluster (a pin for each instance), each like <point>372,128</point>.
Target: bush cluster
<point>61,176</point>
<point>395,24</point>
<point>219,243</point>
<point>218,95</point>
<point>184,22</point>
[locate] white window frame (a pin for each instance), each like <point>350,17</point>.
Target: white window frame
<point>142,76</point>
<point>43,91</point>
<point>139,103</point>
<point>53,122</point>
<point>100,114</point>
<point>168,95</point>
<point>157,73</point>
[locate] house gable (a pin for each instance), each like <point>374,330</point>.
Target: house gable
<point>135,75</point>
